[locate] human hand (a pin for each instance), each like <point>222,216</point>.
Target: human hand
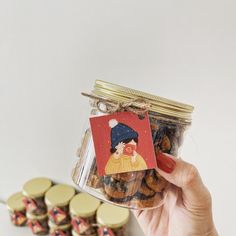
<point>187,210</point>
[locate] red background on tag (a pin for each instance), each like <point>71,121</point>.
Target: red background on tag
<point>101,132</point>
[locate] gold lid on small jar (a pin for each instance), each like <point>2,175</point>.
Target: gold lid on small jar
<point>84,205</point>
<point>55,227</point>
<point>112,216</point>
<point>36,217</point>
<point>15,202</point>
<point>158,104</point>
<point>36,187</point>
<point>59,195</point>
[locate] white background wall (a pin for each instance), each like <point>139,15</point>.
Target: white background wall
<point>50,51</point>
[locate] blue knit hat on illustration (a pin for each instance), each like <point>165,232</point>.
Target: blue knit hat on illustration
<point>120,132</point>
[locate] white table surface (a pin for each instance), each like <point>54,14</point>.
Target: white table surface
<point>7,229</point>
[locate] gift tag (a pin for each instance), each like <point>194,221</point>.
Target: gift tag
<point>123,143</point>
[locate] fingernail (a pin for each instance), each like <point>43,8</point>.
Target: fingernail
<point>165,163</point>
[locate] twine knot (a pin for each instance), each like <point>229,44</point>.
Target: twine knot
<point>138,106</point>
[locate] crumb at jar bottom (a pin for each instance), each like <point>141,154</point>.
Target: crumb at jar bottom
<point>38,224</point>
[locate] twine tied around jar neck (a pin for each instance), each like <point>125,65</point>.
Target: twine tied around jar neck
<point>138,106</point>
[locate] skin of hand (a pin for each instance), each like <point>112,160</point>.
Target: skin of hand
<point>187,209</point>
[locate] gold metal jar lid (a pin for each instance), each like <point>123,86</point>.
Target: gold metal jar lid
<point>112,216</point>
<point>84,205</point>
<point>36,217</point>
<point>15,202</point>
<point>36,187</point>
<point>158,104</point>
<point>54,226</point>
<point>59,195</point>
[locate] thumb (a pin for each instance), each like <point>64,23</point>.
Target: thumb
<point>185,176</point>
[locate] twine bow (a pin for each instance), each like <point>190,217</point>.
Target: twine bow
<point>138,106</point>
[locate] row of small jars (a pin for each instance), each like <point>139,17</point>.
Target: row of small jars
<point>42,206</point>
<point>56,207</point>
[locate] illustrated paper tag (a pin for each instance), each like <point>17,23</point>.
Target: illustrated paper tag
<point>123,143</point>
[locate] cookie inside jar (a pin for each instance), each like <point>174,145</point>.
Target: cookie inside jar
<point>139,189</point>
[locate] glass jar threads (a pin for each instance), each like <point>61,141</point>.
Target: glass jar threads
<point>17,209</point>
<point>38,224</point>
<point>83,209</point>
<point>140,189</point>
<point>112,220</point>
<point>57,199</point>
<point>34,191</point>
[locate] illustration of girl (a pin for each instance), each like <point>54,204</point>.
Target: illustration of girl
<point>124,157</point>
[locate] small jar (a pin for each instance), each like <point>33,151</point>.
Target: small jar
<point>34,191</point>
<point>17,209</point>
<point>38,224</point>
<point>143,189</point>
<point>59,230</point>
<point>112,220</point>
<point>83,209</point>
<point>57,200</point>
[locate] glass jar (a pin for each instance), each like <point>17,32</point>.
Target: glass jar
<point>38,224</point>
<point>34,191</point>
<point>57,199</point>
<point>112,220</point>
<point>139,189</point>
<point>83,209</point>
<point>59,230</point>
<point>17,209</point>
